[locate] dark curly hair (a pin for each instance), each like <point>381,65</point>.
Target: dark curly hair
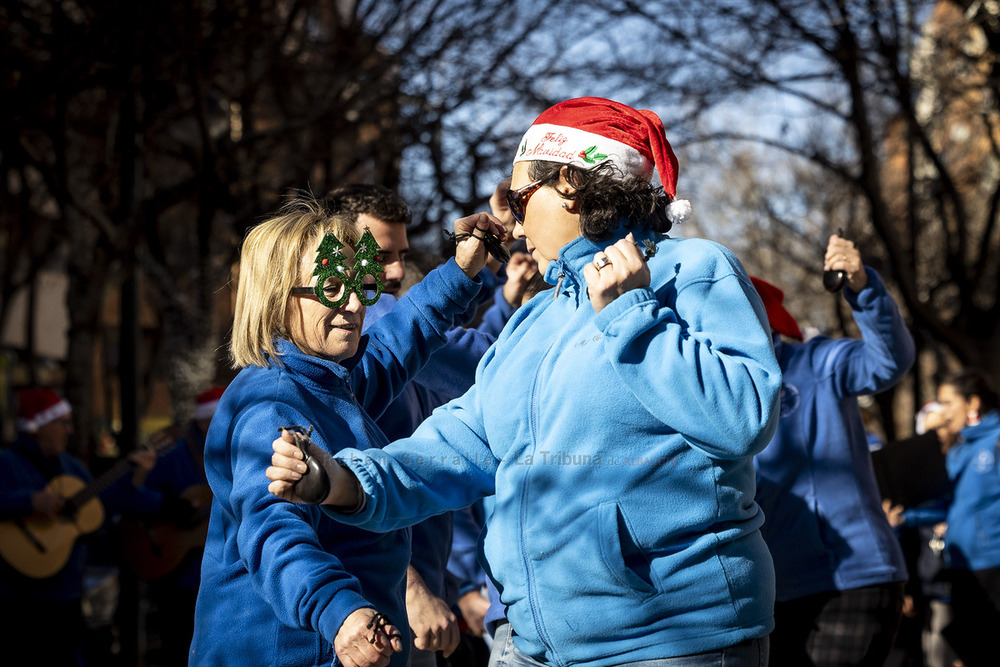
<point>969,383</point>
<point>605,198</point>
<point>375,200</point>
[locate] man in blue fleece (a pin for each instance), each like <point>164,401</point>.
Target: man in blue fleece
<point>448,374</point>
<point>838,565</point>
<point>615,420</point>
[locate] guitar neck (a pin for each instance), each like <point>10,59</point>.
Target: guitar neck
<point>160,443</point>
<point>101,484</point>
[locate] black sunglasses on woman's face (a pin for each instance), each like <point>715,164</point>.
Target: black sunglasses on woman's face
<point>517,200</point>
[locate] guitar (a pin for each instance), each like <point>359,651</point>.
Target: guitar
<point>39,546</point>
<point>154,549</point>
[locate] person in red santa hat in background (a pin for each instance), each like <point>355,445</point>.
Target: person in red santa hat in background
<point>44,525</point>
<point>166,547</point>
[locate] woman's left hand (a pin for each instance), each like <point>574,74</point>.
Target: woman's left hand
<point>614,271</point>
<point>470,251</point>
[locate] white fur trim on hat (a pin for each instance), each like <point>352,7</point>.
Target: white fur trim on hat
<point>205,410</point>
<point>569,145</point>
<point>46,416</point>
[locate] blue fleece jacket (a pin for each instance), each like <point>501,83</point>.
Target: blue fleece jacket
<point>279,579</point>
<point>973,538</point>
<point>619,447</point>
<point>825,525</point>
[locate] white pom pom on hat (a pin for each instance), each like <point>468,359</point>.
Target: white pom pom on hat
<point>678,211</point>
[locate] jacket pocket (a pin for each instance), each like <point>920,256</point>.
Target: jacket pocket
<point>623,557</point>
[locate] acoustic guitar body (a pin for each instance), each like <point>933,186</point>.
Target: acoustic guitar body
<point>155,549</point>
<point>39,547</point>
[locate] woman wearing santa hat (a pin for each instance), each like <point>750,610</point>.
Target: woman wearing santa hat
<point>614,420</point>
<point>183,502</point>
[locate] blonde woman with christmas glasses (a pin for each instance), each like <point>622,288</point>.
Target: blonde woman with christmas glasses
<point>284,584</point>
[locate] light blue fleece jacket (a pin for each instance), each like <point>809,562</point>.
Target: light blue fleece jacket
<point>619,447</point>
<point>279,579</point>
<point>815,482</point>
<point>973,537</point>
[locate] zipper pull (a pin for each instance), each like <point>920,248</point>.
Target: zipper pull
<point>555,292</point>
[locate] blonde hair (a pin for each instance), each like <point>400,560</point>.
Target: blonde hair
<point>270,265</point>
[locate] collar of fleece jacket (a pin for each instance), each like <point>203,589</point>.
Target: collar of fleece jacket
<point>317,368</point>
<point>579,252</point>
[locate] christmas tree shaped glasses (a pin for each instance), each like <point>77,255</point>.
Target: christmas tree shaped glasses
<point>335,281</point>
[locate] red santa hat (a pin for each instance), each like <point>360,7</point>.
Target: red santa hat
<point>206,402</point>
<point>779,318</point>
<point>588,131</point>
<point>37,407</point>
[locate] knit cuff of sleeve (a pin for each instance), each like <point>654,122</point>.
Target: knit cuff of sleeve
<point>868,295</point>
<point>468,587</point>
<point>343,604</point>
<point>357,507</point>
<point>355,461</point>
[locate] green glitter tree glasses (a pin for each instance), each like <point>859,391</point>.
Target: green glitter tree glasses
<point>335,281</point>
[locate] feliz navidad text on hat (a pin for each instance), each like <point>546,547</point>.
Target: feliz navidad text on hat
<point>566,144</point>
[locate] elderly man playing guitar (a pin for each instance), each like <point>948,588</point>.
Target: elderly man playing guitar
<point>47,500</point>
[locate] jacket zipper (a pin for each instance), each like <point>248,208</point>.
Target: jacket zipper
<point>524,519</point>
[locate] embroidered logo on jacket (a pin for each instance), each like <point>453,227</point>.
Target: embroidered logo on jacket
<point>983,462</point>
<point>789,399</point>
<point>586,341</point>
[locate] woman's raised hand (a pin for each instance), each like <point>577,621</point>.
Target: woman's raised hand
<point>843,255</point>
<point>615,270</point>
<point>470,251</point>
<point>367,640</point>
<point>520,270</point>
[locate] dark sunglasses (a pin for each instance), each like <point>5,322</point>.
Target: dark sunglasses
<point>517,200</point>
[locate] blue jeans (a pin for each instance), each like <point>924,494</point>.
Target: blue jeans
<point>749,653</point>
